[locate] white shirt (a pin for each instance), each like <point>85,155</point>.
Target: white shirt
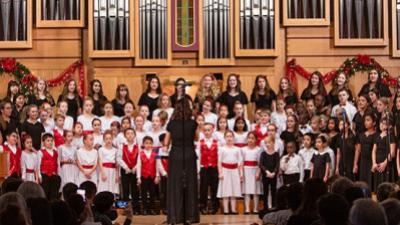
<point>279,119</point>
<point>350,109</point>
<point>169,111</point>
<point>306,155</point>
<point>156,137</point>
<point>231,123</point>
<point>293,165</point>
<point>220,136</point>
<point>106,122</point>
<point>211,118</point>
<point>86,122</point>
<point>68,123</point>
<point>29,160</point>
<point>48,125</point>
<point>306,129</point>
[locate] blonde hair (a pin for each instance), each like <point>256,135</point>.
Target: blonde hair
<point>202,93</point>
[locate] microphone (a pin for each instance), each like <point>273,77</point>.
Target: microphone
<point>183,85</point>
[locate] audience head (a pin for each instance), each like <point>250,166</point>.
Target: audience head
<point>90,189</point>
<point>11,184</point>
<point>367,212</point>
<point>384,191</point>
<point>313,189</point>
<point>40,211</point>
<point>29,189</point>
<point>13,209</point>
<point>353,193</point>
<point>62,214</point>
<point>68,190</point>
<point>392,209</point>
<point>295,195</point>
<point>340,185</point>
<point>333,209</point>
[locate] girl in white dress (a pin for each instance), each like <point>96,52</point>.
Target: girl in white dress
<point>63,109</point>
<point>108,117</point>
<point>67,158</point>
<point>278,117</point>
<point>129,110</point>
<point>140,133</point>
<point>156,132</point>
<point>97,135</point>
<point>109,179</point>
<point>87,116</point>
<point>230,172</point>
<point>164,104</point>
<point>120,139</point>
<point>29,161</point>
<point>144,112</point>
<point>222,127</point>
<point>209,116</point>
<point>240,131</point>
<point>46,121</point>
<point>251,185</point>
<point>77,140</point>
<point>87,161</point>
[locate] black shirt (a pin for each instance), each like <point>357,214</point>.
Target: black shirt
<point>32,99</point>
<point>383,90</point>
<point>269,162</point>
<point>174,98</point>
<point>145,99</point>
<point>118,108</point>
<point>333,99</point>
<point>319,164</point>
<point>98,105</point>
<point>74,105</point>
<point>263,101</point>
<point>229,100</point>
<point>35,131</point>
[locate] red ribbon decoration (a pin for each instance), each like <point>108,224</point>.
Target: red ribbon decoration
<point>361,60</point>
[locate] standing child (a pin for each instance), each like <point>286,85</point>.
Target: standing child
<point>383,153</point>
<point>155,132</point>
<point>269,165</point>
<point>278,117</point>
<point>207,150</point>
<point>97,135</point>
<point>148,176</point>
<point>306,154</point>
<point>145,112</point>
<point>240,131</point>
<point>58,130</point>
<point>29,161</point>
<point>222,127</point>
<point>108,166</point>
<point>127,158</point>
<point>261,129</point>
<point>239,110</point>
<point>48,164</point>
<point>63,109</point>
<point>77,140</point>
<point>230,170</point>
<point>209,116</point>
<point>292,165</point>
<point>15,153</point>
<point>87,116</point>
<point>345,153</point>
<point>45,120</point>
<point>67,158</point>
<point>321,160</point>
<point>125,125</point>
<point>108,116</point>
<point>251,185</point>
<point>140,132</point>
<point>87,158</point>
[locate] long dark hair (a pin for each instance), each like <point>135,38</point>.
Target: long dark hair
<point>183,110</point>
<point>10,84</point>
<point>65,91</point>
<point>321,86</point>
<point>159,91</point>
<point>256,89</point>
<point>91,92</point>
<point>238,85</point>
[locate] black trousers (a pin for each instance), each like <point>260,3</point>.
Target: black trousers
<point>291,178</point>
<point>208,178</point>
<point>148,192</point>
<point>307,174</point>
<point>269,184</point>
<point>130,188</point>
<point>163,193</point>
<point>51,186</point>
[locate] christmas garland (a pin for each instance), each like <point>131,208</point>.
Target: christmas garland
<point>26,79</point>
<point>360,63</point>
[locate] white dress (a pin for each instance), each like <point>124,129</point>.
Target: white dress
<point>110,184</point>
<point>241,139</point>
<point>229,186</point>
<point>98,139</point>
<point>68,123</point>
<point>220,136</point>
<point>87,158</point>
<point>106,122</point>
<point>86,122</point>
<point>29,161</point>
<point>156,138</point>
<point>68,172</point>
<point>77,142</point>
<point>251,185</point>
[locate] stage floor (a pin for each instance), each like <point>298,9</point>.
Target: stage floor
<point>204,220</point>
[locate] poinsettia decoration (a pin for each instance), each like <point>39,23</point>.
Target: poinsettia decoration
<point>360,63</point>
<point>26,79</point>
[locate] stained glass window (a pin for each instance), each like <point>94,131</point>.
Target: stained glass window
<point>185,16</point>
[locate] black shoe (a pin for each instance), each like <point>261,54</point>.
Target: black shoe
<point>204,211</point>
<point>246,213</point>
<point>214,211</point>
<point>225,213</point>
<point>164,212</point>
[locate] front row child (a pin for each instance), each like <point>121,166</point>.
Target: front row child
<point>147,175</point>
<point>29,161</point>
<point>67,157</point>
<point>292,165</point>
<point>321,160</point>
<point>306,153</point>
<point>87,158</point>
<point>14,151</point>
<point>48,164</point>
<point>109,179</point>
<point>251,185</point>
<point>230,172</point>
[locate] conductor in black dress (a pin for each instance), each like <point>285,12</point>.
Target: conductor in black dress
<point>181,133</point>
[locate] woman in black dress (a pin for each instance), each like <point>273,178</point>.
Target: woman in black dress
<point>233,94</point>
<point>345,152</point>
<point>375,81</point>
<point>71,96</point>
<point>96,93</point>
<point>121,97</point>
<point>362,109</point>
<point>263,97</point>
<point>33,127</point>
<point>151,95</point>
<point>383,154</point>
<point>287,92</point>
<point>12,91</point>
<point>182,205</point>
<point>363,156</point>
<point>338,83</point>
<point>315,86</point>
<point>41,95</point>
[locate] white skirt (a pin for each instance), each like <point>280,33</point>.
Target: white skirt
<point>82,178</point>
<point>229,186</point>
<point>30,177</point>
<point>250,185</point>
<point>110,184</point>
<point>69,174</point>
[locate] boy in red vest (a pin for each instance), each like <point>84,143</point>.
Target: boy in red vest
<point>15,153</point>
<point>147,175</point>
<point>58,130</point>
<point>208,154</point>
<point>48,164</point>
<point>262,128</point>
<point>127,157</point>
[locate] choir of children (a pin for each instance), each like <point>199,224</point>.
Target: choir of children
<point>110,143</point>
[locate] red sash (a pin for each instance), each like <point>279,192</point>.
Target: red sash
<point>230,165</point>
<point>109,165</point>
<point>240,145</point>
<point>250,163</point>
<point>29,171</point>
<point>87,166</point>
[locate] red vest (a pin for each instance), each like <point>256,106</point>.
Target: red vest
<point>208,156</point>
<point>48,165</point>
<point>260,135</point>
<point>15,160</point>
<point>148,164</point>
<point>58,138</point>
<point>130,157</point>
